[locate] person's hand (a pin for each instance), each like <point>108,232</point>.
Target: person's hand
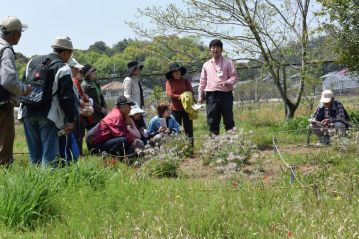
<point>104,111</point>
<point>85,98</point>
<point>68,127</point>
<point>162,129</point>
<point>167,131</point>
<point>28,90</point>
<point>325,122</point>
<point>226,84</point>
<point>128,120</point>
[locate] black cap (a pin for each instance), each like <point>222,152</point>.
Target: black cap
<point>133,65</point>
<point>175,67</point>
<point>87,69</point>
<point>122,100</point>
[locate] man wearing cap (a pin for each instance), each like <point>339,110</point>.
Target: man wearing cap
<point>113,133</point>
<point>330,114</point>
<point>131,84</point>
<point>217,80</point>
<point>10,33</point>
<point>43,124</point>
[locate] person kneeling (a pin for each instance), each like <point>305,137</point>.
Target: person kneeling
<point>163,124</point>
<point>329,118</point>
<point>116,134</point>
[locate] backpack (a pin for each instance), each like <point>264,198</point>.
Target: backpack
<point>4,94</point>
<point>41,76</point>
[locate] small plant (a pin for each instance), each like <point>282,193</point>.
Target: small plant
<point>161,166</point>
<point>225,149</point>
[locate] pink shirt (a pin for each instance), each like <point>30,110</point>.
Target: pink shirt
<point>214,74</point>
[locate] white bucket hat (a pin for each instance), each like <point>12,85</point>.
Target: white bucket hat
<point>62,42</point>
<point>135,110</point>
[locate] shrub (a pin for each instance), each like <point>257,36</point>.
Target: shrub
<point>292,124</point>
<point>229,148</point>
<point>161,167</point>
<point>354,117</point>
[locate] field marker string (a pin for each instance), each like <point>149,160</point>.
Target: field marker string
<point>291,168</point>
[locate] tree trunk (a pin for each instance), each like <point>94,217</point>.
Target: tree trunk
<point>290,110</point>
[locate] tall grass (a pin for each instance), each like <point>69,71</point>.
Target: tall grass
<point>27,197</point>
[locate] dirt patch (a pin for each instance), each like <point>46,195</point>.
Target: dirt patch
<point>194,168</point>
<point>261,166</point>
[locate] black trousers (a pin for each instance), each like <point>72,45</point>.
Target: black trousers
<point>219,104</point>
<point>182,118</point>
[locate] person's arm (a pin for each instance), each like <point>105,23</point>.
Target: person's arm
<point>133,130</point>
<point>8,74</point>
<point>341,114</point>
<point>127,87</point>
<point>316,114</point>
<point>202,84</point>
<point>152,129</point>
<point>169,92</point>
<point>91,93</point>
<point>232,73</point>
<point>66,94</point>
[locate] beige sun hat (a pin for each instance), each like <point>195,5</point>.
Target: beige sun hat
<point>327,96</point>
<point>11,23</point>
<point>62,42</point>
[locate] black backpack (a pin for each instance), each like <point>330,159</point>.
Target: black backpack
<point>4,94</point>
<point>41,76</point>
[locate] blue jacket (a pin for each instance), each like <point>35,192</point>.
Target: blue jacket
<point>154,125</point>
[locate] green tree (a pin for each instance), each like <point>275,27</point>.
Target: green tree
<point>343,29</point>
<point>253,27</point>
<point>100,47</point>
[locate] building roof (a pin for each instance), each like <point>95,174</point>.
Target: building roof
<point>115,85</point>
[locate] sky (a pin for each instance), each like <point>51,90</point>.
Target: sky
<point>85,22</point>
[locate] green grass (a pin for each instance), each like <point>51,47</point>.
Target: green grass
<point>90,200</point>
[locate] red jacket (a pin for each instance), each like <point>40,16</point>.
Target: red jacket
<point>112,126</point>
<point>174,89</point>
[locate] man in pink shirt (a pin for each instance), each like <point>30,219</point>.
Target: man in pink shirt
<point>218,77</point>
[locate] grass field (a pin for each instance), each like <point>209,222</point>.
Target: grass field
<point>93,200</point>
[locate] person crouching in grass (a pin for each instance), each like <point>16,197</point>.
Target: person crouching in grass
<point>116,134</point>
<point>163,124</point>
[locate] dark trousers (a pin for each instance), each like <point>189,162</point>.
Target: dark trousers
<point>182,118</point>
<point>81,125</point>
<point>115,146</point>
<point>219,104</point>
<point>7,134</point>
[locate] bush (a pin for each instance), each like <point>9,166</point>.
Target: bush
<point>354,117</point>
<point>229,148</point>
<point>161,167</point>
<point>292,124</point>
